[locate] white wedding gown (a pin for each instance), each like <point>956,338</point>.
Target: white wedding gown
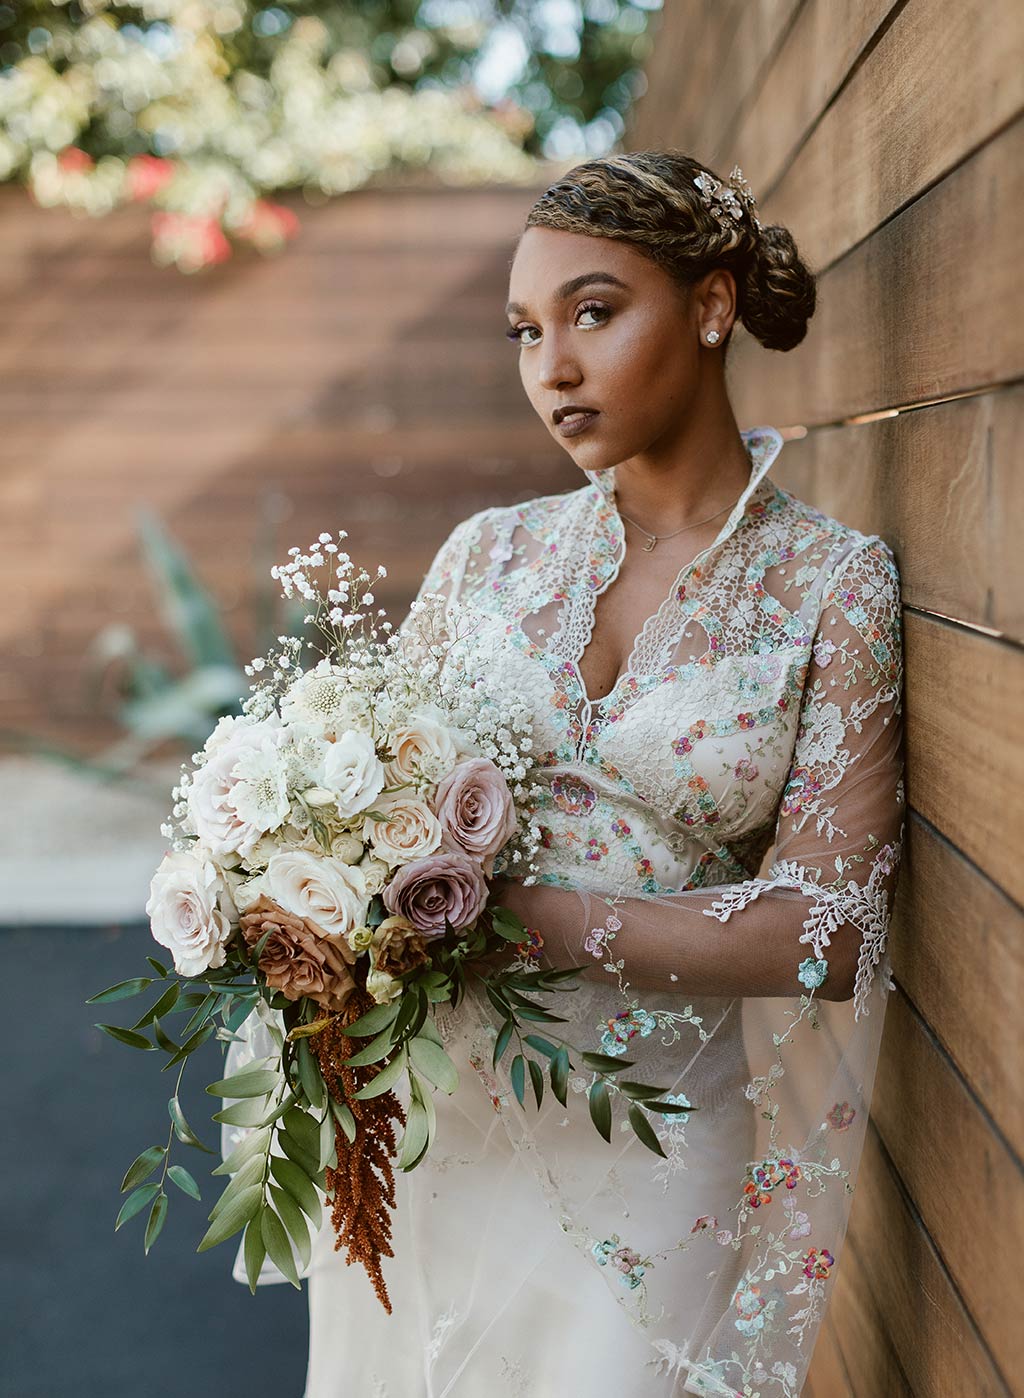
<point>760,709</point>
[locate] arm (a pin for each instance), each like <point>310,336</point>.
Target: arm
<point>827,895</point>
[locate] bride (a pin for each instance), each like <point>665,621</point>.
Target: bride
<point>715,673</point>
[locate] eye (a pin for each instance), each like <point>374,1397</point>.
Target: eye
<point>594,308</point>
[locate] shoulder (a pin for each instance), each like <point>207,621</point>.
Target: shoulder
<point>842,548</point>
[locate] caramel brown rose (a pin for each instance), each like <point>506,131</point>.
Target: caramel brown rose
<point>297,960</point>
<point>398,947</point>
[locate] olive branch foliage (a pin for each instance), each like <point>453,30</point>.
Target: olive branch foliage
<point>275,1196</point>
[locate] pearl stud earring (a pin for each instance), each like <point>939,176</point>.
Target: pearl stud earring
<point>712,337</point>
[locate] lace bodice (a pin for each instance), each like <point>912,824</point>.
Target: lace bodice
<point>753,709</point>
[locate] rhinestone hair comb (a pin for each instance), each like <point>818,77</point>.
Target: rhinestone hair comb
<point>729,200</point>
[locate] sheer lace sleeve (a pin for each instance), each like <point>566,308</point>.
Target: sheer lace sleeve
<point>818,920</point>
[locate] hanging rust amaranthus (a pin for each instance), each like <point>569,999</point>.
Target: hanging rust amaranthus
<point>363,1183</point>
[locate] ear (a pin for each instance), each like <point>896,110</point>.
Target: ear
<point>715,302</point>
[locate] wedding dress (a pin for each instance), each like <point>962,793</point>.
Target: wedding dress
<point>760,709</point>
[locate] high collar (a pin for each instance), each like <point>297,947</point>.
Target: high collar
<point>763,445</point>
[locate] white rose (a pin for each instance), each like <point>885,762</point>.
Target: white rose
<point>353,771</point>
<point>382,987</point>
<point>238,795</point>
<point>376,874</point>
<point>422,746</point>
<point>330,893</point>
<point>185,914</point>
<point>409,831</point>
<point>324,701</point>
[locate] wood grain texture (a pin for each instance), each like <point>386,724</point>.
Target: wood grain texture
<point>965,761</point>
<point>941,485</point>
<point>902,1328</point>
<point>907,316</point>
<point>957,945</point>
<point>908,116</point>
<point>959,1173</point>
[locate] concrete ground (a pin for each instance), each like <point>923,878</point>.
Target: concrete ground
<point>84,1311</point>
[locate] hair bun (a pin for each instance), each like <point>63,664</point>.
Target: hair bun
<point>778,291</point>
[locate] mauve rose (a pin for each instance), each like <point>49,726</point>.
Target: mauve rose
<point>474,806</point>
<point>447,885</point>
<point>296,960</point>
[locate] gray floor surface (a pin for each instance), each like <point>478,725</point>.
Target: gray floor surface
<point>84,1312</point>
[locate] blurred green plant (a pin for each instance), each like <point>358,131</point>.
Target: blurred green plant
<point>201,108</point>
<point>154,705</point>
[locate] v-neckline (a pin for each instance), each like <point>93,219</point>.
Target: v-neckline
<point>763,445</point>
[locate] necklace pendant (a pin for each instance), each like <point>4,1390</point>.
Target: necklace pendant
<point>649,546</point>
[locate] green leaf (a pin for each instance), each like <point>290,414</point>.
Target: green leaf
<point>256,1083</point>
<point>244,1178</point>
<point>155,1222</point>
<point>518,1076</point>
<point>190,1045</point>
<point>275,1240</point>
<point>241,1012</point>
<point>182,1129</point>
<point>306,1160</point>
<point>601,1109</point>
<point>539,1016</point>
<point>233,1217</point>
<point>498,1001</point>
<point>142,1166</point>
<point>303,1128</point>
<point>249,1112</point>
<point>327,1155</point>
<point>294,1221</point>
<point>298,1185</point>
<point>605,1063</point>
<point>644,1130</point>
<point>254,1249</point>
<point>537,1078</point>
<point>166,1043</point>
<point>373,1021</point>
<point>125,1036</point>
<point>161,1006</point>
<point>670,1107</point>
<point>309,1075</point>
<point>507,924</point>
<point>374,1051</point>
<point>136,1202</point>
<point>254,1144</point>
<point>501,1042</point>
<point>121,990</point>
<point>280,1110</point>
<point>564,974</point>
<point>158,967</point>
<point>541,1045</point>
<point>386,1078</point>
<point>414,1139</point>
<point>343,1115</point>
<point>206,1006</point>
<point>184,1181</point>
<point>640,1091</point>
<point>559,1070</point>
<point>434,1064</point>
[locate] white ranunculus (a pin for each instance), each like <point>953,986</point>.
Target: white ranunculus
<point>330,893</point>
<point>353,771</point>
<point>185,912</point>
<point>326,703</point>
<point>409,830</point>
<point>237,795</point>
<point>348,848</point>
<point>422,746</point>
<point>376,874</point>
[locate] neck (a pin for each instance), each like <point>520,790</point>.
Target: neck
<point>705,467</point>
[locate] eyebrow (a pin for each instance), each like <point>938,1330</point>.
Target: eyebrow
<point>567,289</point>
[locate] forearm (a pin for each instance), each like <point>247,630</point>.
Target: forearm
<point>677,943</point>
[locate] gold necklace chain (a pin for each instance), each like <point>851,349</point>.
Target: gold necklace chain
<point>655,538</point>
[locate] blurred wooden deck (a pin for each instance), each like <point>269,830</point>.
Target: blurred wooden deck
<point>360,380</point>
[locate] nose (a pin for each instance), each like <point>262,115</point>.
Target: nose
<point>557,368</point>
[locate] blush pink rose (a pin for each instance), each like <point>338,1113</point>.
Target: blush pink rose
<point>474,806</point>
<point>446,886</point>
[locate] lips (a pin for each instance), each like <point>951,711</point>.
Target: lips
<point>566,408</point>
<point>572,419</point>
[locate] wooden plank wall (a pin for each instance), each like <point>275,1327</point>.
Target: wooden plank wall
<point>889,139</point>
<point>361,380</point>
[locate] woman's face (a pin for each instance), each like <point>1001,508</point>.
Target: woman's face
<point>626,343</point>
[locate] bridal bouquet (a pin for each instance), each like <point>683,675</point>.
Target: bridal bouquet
<point>328,872</point>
